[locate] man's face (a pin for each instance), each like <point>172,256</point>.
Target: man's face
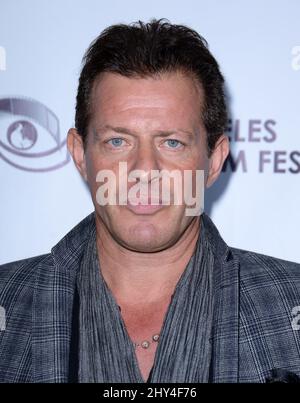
<point>151,124</point>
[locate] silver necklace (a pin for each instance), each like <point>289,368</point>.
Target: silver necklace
<point>146,343</point>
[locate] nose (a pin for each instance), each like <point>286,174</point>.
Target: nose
<point>146,159</point>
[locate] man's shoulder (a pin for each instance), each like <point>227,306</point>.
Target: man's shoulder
<point>267,283</point>
<point>69,246</point>
<point>30,261</point>
<point>269,307</point>
<point>24,268</point>
<point>253,264</point>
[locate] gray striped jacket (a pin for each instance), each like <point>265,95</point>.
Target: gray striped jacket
<point>256,326</point>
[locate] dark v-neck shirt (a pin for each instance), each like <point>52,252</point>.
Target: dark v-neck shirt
<point>101,350</point>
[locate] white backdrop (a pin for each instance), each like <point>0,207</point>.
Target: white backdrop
<point>257,44</point>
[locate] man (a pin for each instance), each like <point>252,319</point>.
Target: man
<point>142,291</point>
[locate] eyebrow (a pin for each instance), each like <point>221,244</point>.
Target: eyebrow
<point>124,130</point>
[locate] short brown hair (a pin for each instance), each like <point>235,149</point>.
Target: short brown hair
<point>145,49</point>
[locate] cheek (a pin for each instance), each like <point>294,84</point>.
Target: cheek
<point>92,169</point>
<point>94,164</point>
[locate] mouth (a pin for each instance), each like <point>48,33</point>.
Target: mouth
<point>142,209</point>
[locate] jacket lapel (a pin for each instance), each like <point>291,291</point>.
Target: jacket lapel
<point>52,306</point>
<point>226,325</point>
<point>225,334</point>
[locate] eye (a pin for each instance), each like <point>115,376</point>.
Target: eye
<point>172,143</point>
<point>116,142</point>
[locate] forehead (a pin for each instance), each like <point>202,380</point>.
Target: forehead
<point>167,97</point>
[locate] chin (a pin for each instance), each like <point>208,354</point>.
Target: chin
<point>143,233</point>
<point>145,237</point>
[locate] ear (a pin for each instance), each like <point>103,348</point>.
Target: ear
<point>217,159</point>
<point>76,149</point>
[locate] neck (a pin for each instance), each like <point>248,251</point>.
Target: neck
<point>144,278</point>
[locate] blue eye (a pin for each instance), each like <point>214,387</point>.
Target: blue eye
<point>173,143</point>
<point>116,142</point>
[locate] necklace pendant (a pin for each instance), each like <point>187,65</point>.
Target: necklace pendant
<point>145,344</point>
<point>155,337</point>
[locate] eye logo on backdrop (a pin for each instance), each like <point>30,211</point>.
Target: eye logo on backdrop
<point>30,136</point>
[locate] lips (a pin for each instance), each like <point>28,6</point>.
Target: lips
<point>150,208</point>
